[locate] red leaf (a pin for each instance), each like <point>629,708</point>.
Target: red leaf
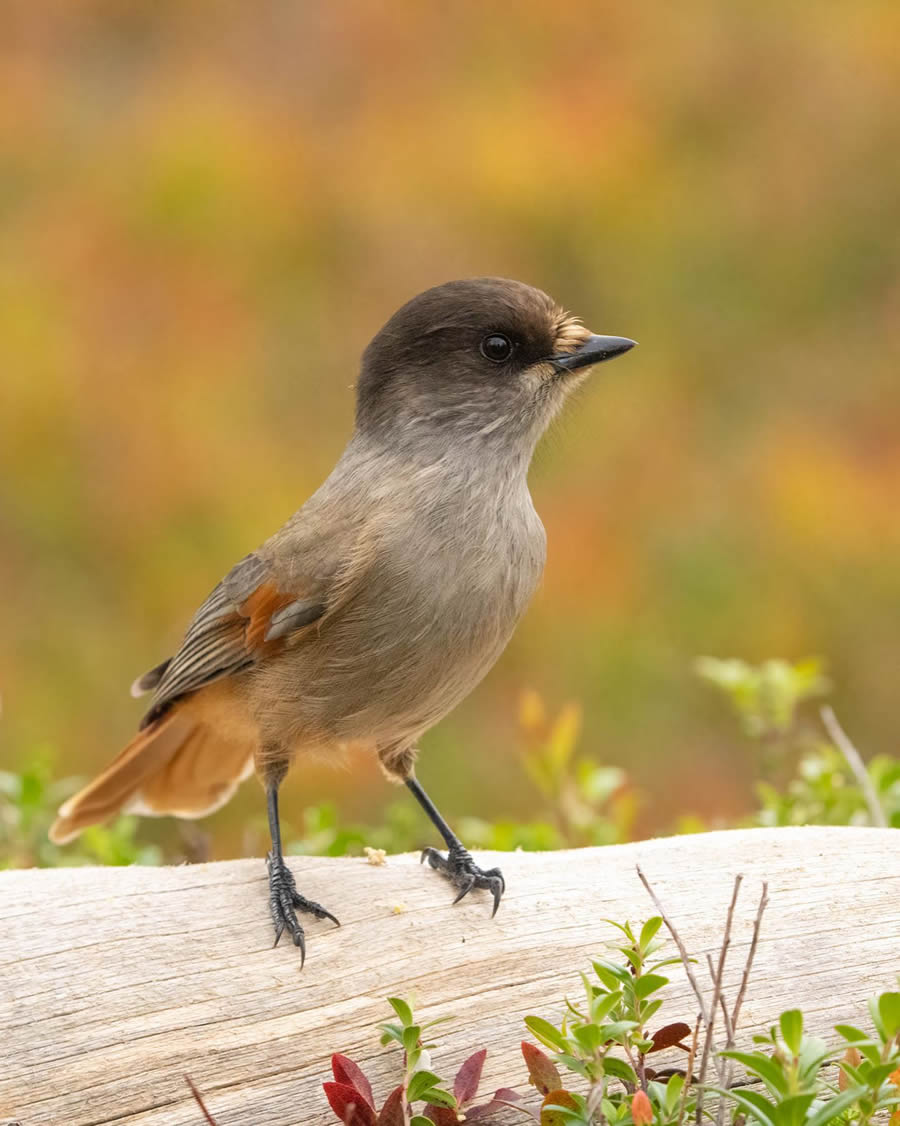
<point>502,1098</point>
<point>442,1115</point>
<point>392,1113</point>
<point>669,1035</point>
<point>465,1085</point>
<point>541,1069</point>
<point>346,1071</point>
<point>349,1105</point>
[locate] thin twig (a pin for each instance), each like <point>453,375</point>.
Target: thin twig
<point>726,1015</point>
<point>751,954</point>
<point>842,741</point>
<point>677,940</point>
<point>717,993</point>
<point>689,1072</point>
<point>732,1021</point>
<point>209,1118</point>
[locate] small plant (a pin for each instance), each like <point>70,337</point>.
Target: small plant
<point>614,1015</point>
<point>871,1064</point>
<point>831,784</point>
<point>350,1094</point>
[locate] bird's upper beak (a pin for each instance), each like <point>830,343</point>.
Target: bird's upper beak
<point>594,350</point>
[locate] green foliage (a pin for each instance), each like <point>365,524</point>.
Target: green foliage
<point>594,1065</point>
<point>768,701</point>
<point>598,1072</point>
<point>824,791</point>
<point>795,1070</point>
<point>766,696</point>
<point>28,803</point>
<point>583,802</point>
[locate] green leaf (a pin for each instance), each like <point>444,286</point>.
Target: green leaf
<point>391,1032</point>
<point>670,962</point>
<point>633,957</point>
<point>648,984</point>
<point>757,1106</point>
<point>854,1074</point>
<point>602,1006</point>
<point>588,1037</point>
<point>617,1029</point>
<point>873,1077</point>
<point>411,1037</point>
<point>574,1064</point>
<point>835,1107</point>
<point>889,1010</point>
<point>420,1120</point>
<point>402,1009</point>
<point>420,1082</point>
<point>851,1033</point>
<point>792,1111</point>
<point>763,1066</point>
<point>791,1023</point>
<point>438,1097</point>
<point>546,1033</point>
<point>673,1092</point>
<point>620,976</point>
<point>648,932</point>
<point>625,928</point>
<point>650,1010</point>
<point>875,1013</point>
<point>619,1069</point>
<point>813,1053</point>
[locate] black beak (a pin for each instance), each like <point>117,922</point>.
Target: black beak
<point>595,350</point>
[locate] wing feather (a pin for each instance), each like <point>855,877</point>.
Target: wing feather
<point>230,632</point>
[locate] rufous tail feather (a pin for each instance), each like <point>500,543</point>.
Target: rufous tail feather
<point>177,766</point>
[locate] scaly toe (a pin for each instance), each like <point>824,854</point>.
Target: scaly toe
<point>462,871</point>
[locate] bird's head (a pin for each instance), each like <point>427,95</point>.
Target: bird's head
<point>485,358</point>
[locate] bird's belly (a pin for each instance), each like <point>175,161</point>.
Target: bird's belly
<point>394,663</point>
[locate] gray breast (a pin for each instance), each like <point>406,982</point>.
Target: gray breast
<point>451,582</point>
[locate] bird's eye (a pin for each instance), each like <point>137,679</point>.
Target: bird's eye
<point>496,348</point>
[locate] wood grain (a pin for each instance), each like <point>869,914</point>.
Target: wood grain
<point>115,982</point>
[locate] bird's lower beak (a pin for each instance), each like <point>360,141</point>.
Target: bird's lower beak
<point>594,350</point>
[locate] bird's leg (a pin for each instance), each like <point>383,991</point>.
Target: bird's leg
<point>284,899</point>
<point>458,866</point>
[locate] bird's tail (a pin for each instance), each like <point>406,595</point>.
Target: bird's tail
<point>178,765</point>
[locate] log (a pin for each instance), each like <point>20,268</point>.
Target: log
<point>115,982</point>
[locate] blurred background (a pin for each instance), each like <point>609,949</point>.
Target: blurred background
<point>206,211</point>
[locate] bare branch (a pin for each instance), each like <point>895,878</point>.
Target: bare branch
<point>726,1015</point>
<point>689,1071</point>
<point>698,993</point>
<point>842,741</point>
<point>209,1118</point>
<point>751,954</point>
<point>717,993</point>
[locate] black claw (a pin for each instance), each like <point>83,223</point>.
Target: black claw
<point>462,871</point>
<point>284,898</point>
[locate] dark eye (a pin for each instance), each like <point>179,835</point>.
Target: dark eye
<point>496,348</point>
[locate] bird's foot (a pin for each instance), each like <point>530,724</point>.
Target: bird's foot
<point>462,871</point>
<point>285,901</point>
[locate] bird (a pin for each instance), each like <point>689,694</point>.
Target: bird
<point>385,598</point>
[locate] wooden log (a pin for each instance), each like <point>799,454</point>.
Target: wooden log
<point>115,982</point>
